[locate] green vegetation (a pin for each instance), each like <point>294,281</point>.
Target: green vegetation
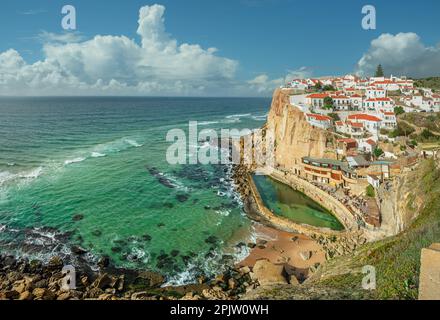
<point>334,116</point>
<point>399,110</point>
<point>328,87</point>
<point>379,71</point>
<point>430,121</point>
<point>318,86</point>
<point>328,103</point>
<point>370,191</point>
<point>403,130</point>
<point>378,152</point>
<point>395,93</point>
<point>397,259</point>
<point>432,82</point>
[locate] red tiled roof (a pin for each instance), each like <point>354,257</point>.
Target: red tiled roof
<point>318,96</point>
<point>356,96</point>
<point>355,124</point>
<point>378,99</point>
<point>339,123</point>
<point>365,117</point>
<point>347,140</point>
<point>371,142</point>
<point>387,113</point>
<point>319,117</point>
<point>383,82</point>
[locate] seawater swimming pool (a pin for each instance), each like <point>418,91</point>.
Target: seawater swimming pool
<point>284,201</point>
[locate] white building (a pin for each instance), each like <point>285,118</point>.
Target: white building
<point>319,120</point>
<point>367,145</point>
<point>341,103</point>
<point>316,99</point>
<point>353,129</point>
<point>388,118</point>
<point>371,123</point>
<point>375,104</point>
<point>373,92</point>
<point>356,102</point>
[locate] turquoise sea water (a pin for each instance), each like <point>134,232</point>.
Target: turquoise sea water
<point>92,172</point>
<point>294,205</point>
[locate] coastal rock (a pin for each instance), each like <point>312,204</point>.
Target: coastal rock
<point>267,273</point>
<point>78,250</point>
<point>43,294</point>
<point>103,281</point>
<point>9,294</point>
<point>26,295</point>
<point>149,279</point>
<point>78,217</point>
<point>104,262</point>
<point>55,263</point>
<point>64,296</point>
<point>141,296</point>
<point>94,293</point>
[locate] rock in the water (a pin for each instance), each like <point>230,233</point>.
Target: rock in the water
<point>78,217</point>
<point>78,250</point>
<point>182,197</point>
<point>104,262</point>
<point>97,233</point>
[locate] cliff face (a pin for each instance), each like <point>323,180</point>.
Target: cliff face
<point>294,136</point>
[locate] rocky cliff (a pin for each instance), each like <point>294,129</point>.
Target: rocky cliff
<point>294,136</point>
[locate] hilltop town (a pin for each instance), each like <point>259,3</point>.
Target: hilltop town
<point>377,131</point>
<point>367,150</point>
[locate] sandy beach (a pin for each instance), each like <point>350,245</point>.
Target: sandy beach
<point>280,247</point>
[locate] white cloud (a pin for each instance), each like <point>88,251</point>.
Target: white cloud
<point>401,54</point>
<point>263,85</point>
<point>67,37</point>
<point>301,73</point>
<point>119,65</point>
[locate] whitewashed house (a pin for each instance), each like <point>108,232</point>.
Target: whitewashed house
<point>341,103</point>
<point>371,123</point>
<point>389,120</point>
<point>367,145</point>
<point>319,121</point>
<point>356,101</point>
<point>316,99</point>
<point>373,92</point>
<point>375,104</point>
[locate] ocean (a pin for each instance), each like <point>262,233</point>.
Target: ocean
<point>92,173</point>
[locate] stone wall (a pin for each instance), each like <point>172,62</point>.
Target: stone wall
<point>286,224</point>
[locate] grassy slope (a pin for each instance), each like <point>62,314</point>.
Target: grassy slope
<point>397,260</point>
<point>432,82</point>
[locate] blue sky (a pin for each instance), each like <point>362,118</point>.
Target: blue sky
<point>263,37</point>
